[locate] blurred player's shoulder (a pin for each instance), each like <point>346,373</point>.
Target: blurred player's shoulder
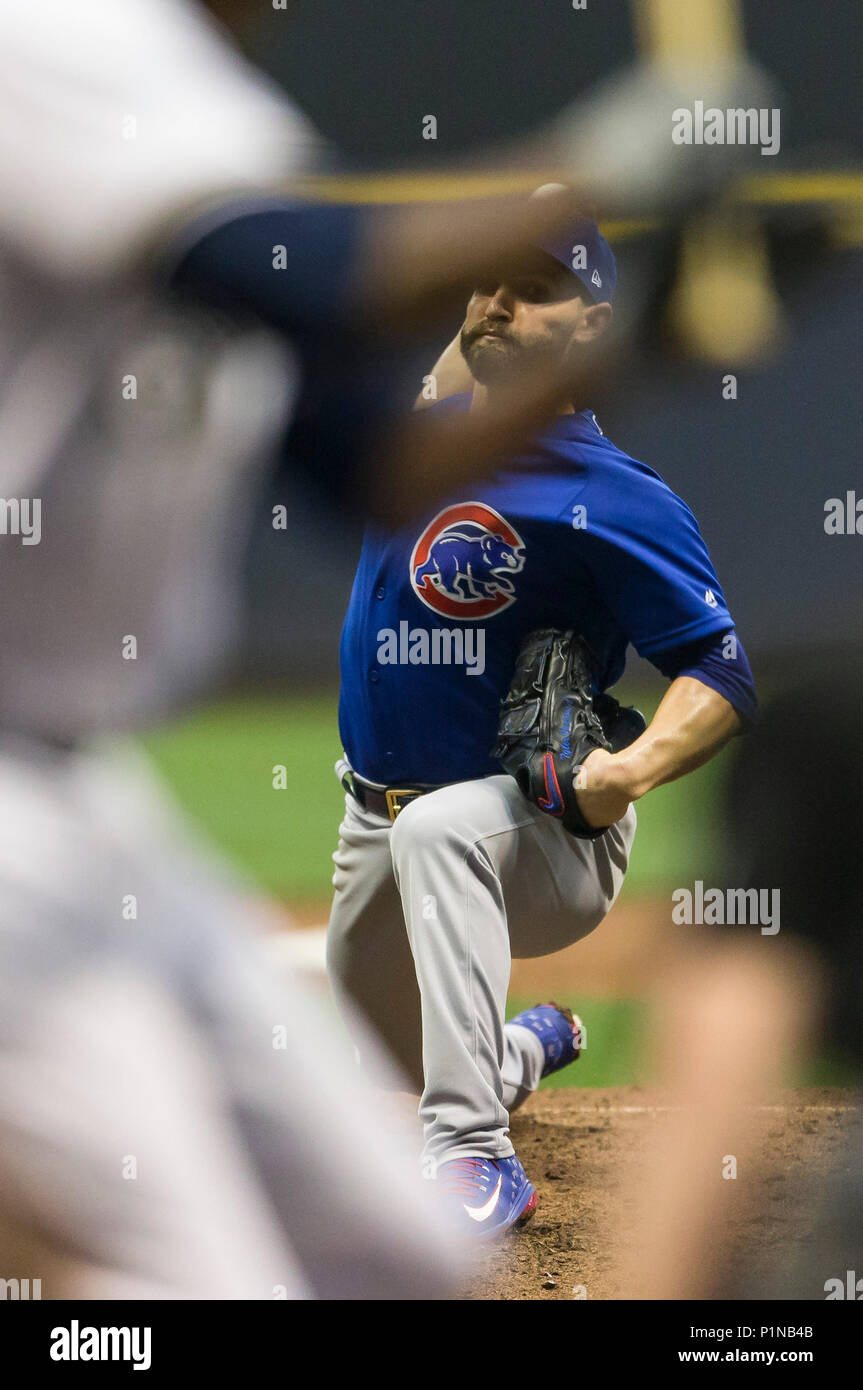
<point>116,119</point>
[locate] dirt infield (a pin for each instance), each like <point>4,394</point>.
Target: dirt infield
<point>582,1148</point>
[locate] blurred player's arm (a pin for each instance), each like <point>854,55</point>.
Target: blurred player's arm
<point>676,1231</point>
<point>366,269</point>
<point>428,453</point>
<point>326,296</point>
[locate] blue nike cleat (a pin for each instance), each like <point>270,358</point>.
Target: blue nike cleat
<point>560,1031</point>
<point>486,1196</point>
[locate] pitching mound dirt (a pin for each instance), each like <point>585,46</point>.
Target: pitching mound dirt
<point>582,1149</point>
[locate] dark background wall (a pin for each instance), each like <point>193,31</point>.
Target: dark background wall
<point>368,70</point>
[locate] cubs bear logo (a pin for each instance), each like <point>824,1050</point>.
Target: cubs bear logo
<point>463,563</point>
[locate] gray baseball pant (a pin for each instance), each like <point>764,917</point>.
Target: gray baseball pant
<point>427,915</point>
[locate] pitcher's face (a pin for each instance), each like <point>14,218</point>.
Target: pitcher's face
<point>521,320</point>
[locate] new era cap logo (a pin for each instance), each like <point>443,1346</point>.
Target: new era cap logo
<point>595,280</point>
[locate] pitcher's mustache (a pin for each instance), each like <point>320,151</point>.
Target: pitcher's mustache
<point>485,327</point>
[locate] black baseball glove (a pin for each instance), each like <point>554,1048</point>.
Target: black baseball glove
<point>550,721</point>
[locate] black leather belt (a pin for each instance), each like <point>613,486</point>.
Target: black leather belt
<point>382,801</point>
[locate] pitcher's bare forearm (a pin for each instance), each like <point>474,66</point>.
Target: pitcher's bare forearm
<point>690,726</point>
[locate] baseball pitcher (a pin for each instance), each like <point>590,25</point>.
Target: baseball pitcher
<point>490,779</point>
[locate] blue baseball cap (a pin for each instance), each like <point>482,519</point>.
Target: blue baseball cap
<point>586,254</point>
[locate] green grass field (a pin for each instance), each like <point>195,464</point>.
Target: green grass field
<point>220,764</point>
<point>615,1052</point>
<point>220,761</point>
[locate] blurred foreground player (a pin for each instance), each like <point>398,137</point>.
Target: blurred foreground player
<point>166,1122</point>
<point>821,895</point>
<point>740,1010</point>
<point>167,1126</point>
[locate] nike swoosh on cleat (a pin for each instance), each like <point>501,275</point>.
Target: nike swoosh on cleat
<point>484,1212</point>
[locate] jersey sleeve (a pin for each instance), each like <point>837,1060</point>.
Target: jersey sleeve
<point>719,662</point>
<point>647,558</point>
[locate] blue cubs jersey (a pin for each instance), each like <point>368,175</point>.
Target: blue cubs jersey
<point>571,534</point>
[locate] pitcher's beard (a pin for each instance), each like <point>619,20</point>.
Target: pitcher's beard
<point>491,360</point>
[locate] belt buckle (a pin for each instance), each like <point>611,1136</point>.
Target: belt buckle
<point>394,800</point>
